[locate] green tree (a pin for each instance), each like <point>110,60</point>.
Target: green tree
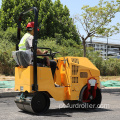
<point>10,11</point>
<point>53,17</point>
<point>95,20</point>
<point>64,23</point>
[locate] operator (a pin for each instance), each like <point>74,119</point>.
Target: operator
<point>26,44</point>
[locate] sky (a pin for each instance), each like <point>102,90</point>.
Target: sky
<point>75,8</point>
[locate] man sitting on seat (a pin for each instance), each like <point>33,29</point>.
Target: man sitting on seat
<point>26,44</point>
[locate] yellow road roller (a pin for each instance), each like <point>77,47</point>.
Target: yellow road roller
<point>77,79</point>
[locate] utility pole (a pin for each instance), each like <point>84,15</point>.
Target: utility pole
<point>91,41</point>
<point>107,48</point>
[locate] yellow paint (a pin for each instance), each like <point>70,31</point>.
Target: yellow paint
<point>67,75</point>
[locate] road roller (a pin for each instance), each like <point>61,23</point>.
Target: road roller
<point>77,79</point>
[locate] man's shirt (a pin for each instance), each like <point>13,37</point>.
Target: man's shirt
<point>29,42</point>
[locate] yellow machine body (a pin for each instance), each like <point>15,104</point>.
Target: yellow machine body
<point>72,74</point>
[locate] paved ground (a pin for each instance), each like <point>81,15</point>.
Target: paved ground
<point>110,110</point>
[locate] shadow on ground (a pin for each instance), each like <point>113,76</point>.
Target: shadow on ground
<point>66,112</point>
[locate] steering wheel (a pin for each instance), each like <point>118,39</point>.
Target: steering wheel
<point>51,54</point>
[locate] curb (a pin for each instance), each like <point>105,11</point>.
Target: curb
<point>4,93</point>
<point>110,89</point>
<point>8,94</point>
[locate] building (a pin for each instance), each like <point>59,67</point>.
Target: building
<point>106,50</point>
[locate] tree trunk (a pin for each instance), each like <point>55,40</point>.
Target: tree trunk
<point>84,47</point>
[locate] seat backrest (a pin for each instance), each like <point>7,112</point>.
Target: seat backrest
<point>22,58</point>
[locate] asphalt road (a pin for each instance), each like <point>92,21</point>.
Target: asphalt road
<point>109,110</point>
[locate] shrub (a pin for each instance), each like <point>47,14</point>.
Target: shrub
<point>64,50</point>
<point>7,63</point>
<point>66,47</point>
